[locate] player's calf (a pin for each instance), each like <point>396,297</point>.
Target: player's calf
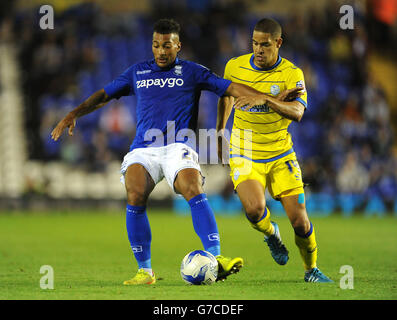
<point>262,224</point>
<point>307,246</point>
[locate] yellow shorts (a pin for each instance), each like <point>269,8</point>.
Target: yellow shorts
<point>278,176</point>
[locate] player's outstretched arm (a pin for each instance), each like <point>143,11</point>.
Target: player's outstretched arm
<point>292,110</point>
<point>284,104</point>
<point>256,98</point>
<point>92,103</point>
<point>238,90</point>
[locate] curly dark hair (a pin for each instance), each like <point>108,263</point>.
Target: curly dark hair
<point>166,26</point>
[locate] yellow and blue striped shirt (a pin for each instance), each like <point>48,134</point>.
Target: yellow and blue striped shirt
<point>267,137</point>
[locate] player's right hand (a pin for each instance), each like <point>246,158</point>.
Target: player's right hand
<point>68,122</point>
<point>290,94</point>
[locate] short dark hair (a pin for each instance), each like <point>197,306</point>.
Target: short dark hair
<point>166,26</point>
<point>268,25</point>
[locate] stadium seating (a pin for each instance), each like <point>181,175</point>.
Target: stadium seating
<point>108,47</point>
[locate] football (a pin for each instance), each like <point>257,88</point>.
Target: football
<point>199,267</point>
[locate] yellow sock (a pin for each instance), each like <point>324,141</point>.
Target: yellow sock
<point>308,248</point>
<point>264,225</point>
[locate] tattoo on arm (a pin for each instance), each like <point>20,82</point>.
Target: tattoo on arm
<point>95,101</point>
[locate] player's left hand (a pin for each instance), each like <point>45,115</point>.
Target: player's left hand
<point>290,94</point>
<point>244,102</point>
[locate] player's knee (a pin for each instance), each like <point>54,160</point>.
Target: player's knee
<point>255,210</point>
<point>190,190</point>
<point>136,198</point>
<point>301,225</point>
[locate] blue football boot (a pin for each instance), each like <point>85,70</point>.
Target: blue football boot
<point>277,248</point>
<point>315,275</point>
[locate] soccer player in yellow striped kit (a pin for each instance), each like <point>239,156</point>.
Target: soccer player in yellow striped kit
<point>261,148</point>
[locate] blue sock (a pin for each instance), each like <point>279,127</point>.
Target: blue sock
<point>204,223</point>
<point>139,235</point>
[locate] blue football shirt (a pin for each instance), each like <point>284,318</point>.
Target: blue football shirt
<point>167,98</point>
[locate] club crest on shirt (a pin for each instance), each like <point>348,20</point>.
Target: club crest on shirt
<point>275,89</point>
<point>178,70</point>
<point>236,174</point>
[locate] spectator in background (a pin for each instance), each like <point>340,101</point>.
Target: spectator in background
<point>117,119</point>
<point>352,178</point>
<point>48,58</point>
<point>101,154</point>
<point>117,126</point>
<point>340,47</point>
<point>376,109</point>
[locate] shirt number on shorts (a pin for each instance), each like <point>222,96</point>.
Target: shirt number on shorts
<point>186,154</point>
<point>291,164</point>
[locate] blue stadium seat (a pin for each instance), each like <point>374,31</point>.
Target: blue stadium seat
<point>375,206</point>
<point>180,206</point>
<point>51,147</point>
<point>320,204</point>
<point>318,48</point>
<point>349,202</point>
<point>275,207</point>
<point>220,205</point>
<point>304,132</point>
<point>86,84</point>
<point>323,80</point>
<point>139,49</point>
<point>118,142</point>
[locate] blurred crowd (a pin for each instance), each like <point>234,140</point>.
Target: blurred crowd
<point>344,142</point>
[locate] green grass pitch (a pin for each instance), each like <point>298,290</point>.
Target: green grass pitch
<point>90,256</point>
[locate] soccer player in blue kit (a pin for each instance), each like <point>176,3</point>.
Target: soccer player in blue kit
<point>167,90</point>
